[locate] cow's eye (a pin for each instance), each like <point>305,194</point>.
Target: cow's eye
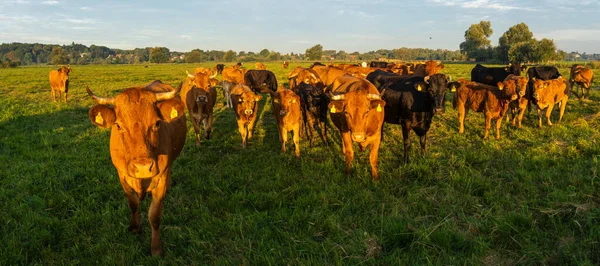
<point>119,127</point>
<point>156,125</point>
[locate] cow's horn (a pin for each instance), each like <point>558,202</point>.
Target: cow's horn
<point>338,97</point>
<point>189,75</point>
<point>373,96</point>
<point>426,79</point>
<point>99,100</point>
<point>214,75</point>
<point>449,78</point>
<point>168,95</point>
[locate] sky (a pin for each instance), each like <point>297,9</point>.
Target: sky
<point>293,26</point>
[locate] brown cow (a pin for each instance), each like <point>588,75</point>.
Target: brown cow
<point>148,130</point>
<point>306,75</point>
<point>234,74</point>
<point>260,66</point>
<point>206,71</point>
<point>59,82</point>
<point>360,72</point>
<point>428,68</point>
<point>583,77</point>
<point>285,64</point>
<point>245,105</point>
<point>199,97</point>
<point>328,74</point>
<point>356,109</point>
<point>547,93</point>
<point>517,108</point>
<point>286,108</point>
<point>492,101</point>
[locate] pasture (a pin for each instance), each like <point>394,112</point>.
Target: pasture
<point>532,197</point>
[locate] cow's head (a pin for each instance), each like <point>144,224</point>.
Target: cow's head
<point>508,89</point>
<point>432,67</point>
<point>436,87</point>
<point>515,68</point>
<point>361,110</point>
<point>137,119</point>
<point>244,100</point>
<point>521,84</point>
<point>287,100</point>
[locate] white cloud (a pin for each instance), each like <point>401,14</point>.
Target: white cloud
<point>481,4</point>
<point>183,36</point>
<point>51,2</point>
<point>85,8</point>
<point>572,34</point>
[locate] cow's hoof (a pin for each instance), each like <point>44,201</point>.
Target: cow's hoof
<point>135,229</point>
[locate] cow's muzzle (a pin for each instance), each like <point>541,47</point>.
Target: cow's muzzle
<point>143,168</point>
<point>282,112</point>
<point>514,97</point>
<point>359,137</point>
<point>248,111</point>
<point>536,96</point>
<point>202,99</point>
<point>438,110</point>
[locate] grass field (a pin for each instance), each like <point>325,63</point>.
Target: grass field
<point>532,197</point>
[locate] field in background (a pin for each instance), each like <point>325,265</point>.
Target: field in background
<point>532,197</point>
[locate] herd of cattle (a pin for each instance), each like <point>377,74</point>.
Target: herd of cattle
<point>148,124</point>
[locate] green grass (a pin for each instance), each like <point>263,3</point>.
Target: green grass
<point>530,198</point>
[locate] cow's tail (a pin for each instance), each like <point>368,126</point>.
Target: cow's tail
<point>274,83</point>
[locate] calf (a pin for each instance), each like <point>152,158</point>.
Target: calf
<point>260,66</point>
<point>245,105</point>
<point>285,64</point>
<point>517,108</point>
<point>199,97</point>
<point>313,104</point>
<point>148,130</point>
<point>412,102</point>
<point>356,109</point>
<point>260,81</point>
<point>492,101</point>
<point>583,77</point>
<point>59,82</point>
<point>286,108</point>
<point>547,93</point>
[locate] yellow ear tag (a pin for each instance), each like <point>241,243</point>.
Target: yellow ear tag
<point>99,119</point>
<point>294,101</point>
<point>379,109</point>
<point>419,87</point>
<point>332,109</point>
<point>174,113</point>
<point>453,89</point>
<point>500,88</point>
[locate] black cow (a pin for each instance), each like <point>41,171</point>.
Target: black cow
<point>313,104</point>
<point>543,72</point>
<point>493,75</point>
<point>378,64</point>
<point>412,102</point>
<point>316,64</point>
<point>380,77</point>
<point>261,81</point>
<point>219,68</point>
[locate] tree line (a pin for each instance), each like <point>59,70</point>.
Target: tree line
<point>516,44</point>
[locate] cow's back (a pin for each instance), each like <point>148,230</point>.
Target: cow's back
<point>56,80</point>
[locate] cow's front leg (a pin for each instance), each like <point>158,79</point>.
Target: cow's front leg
<point>348,152</point>
<point>155,214</point>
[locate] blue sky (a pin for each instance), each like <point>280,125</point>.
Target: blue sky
<point>292,26</point>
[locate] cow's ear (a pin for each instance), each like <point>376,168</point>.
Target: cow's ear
<point>500,85</point>
<point>171,109</point>
<point>523,67</point>
<point>102,116</point>
<point>257,97</point>
<point>453,86</point>
<point>440,66</point>
<point>507,69</point>
<point>336,107</point>
<point>377,105</point>
<point>420,86</point>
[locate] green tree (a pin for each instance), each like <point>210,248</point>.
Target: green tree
<point>194,56</point>
<point>229,56</point>
<point>314,53</point>
<point>516,34</point>
<point>159,55</point>
<point>58,56</point>
<point>264,53</point>
<point>545,50</point>
<point>477,41</point>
